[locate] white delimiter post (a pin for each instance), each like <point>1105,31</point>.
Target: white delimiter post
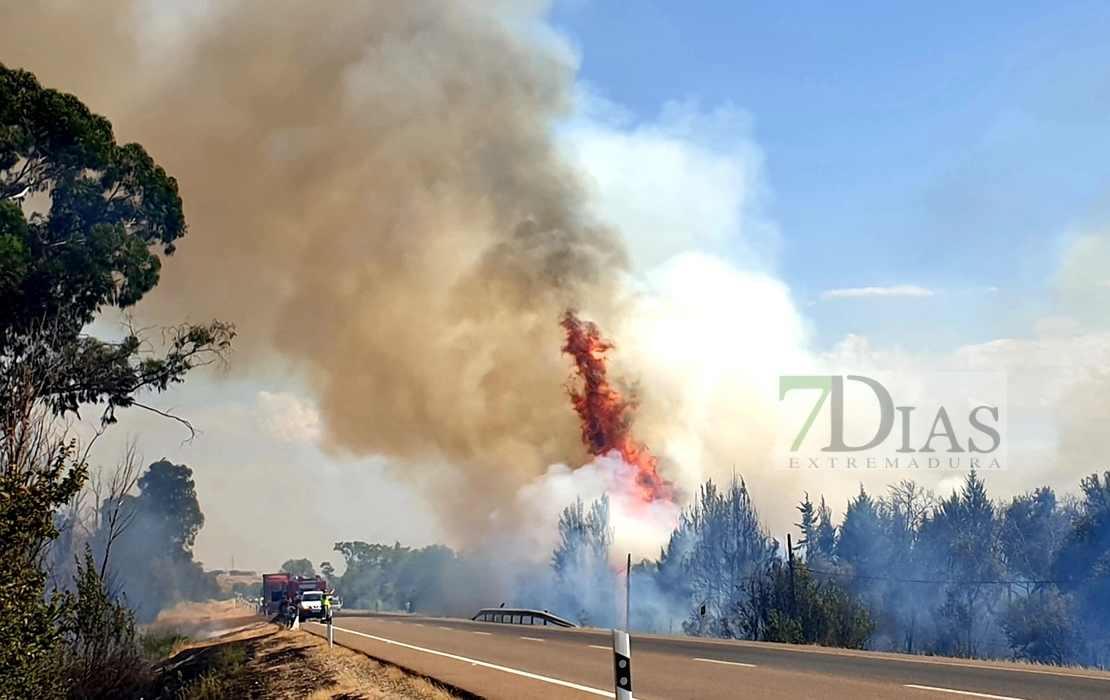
<point>622,665</point>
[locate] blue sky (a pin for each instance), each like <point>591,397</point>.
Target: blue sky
<point>952,146</point>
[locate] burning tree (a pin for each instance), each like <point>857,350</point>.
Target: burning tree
<point>606,414</point>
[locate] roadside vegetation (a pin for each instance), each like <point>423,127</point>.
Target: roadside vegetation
<point>85,224</point>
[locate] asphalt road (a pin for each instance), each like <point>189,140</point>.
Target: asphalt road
<point>510,662</point>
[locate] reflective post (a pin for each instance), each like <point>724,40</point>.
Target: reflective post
<point>622,665</point>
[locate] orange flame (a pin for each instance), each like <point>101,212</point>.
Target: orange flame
<point>605,412</point>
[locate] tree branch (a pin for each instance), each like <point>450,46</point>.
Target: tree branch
<point>193,432</point>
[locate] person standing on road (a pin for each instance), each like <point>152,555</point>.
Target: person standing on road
<point>326,603</point>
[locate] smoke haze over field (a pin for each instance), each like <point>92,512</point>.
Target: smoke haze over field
<point>379,198</point>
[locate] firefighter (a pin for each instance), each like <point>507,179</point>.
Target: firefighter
<point>291,611</point>
<point>327,606</point>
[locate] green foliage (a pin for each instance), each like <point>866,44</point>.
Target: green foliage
<point>423,576</point>
<point>1082,567</point>
<point>808,524</point>
<point>111,208</point>
<point>104,658</point>
<point>798,609</point>
<point>1040,627</point>
<point>299,567</point>
<point>390,577</point>
<point>110,204</point>
<point>112,212</point>
<point>721,547</point>
<point>861,529</point>
<point>824,543</point>
<point>169,496</point>
<point>227,678</point>
<point>78,645</point>
<point>153,555</point>
<point>14,257</point>
<point>157,646</point>
<point>29,619</point>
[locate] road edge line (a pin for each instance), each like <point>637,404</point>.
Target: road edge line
<point>968,693</point>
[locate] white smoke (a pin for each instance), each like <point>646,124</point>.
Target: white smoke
<point>639,528</point>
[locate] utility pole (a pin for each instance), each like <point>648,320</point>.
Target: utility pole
<point>793,590</point>
<point>628,593</point>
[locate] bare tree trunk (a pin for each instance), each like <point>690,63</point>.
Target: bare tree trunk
<point>115,517</point>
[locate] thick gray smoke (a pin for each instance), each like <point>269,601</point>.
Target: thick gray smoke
<point>374,195</point>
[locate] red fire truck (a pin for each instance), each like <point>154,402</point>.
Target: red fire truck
<point>275,588</point>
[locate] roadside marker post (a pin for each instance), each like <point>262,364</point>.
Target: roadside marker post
<point>331,635</point>
<point>622,665</point>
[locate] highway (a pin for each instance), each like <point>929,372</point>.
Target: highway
<point>509,662</point>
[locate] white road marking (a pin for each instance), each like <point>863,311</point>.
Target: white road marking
<point>726,663</point>
<point>445,628</point>
<point>418,624</point>
<point>598,646</point>
<point>485,633</point>
<point>966,693</point>
<point>532,639</point>
<point>474,662</point>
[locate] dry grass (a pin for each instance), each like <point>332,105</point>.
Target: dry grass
<point>202,620</point>
<point>267,662</point>
<point>357,676</point>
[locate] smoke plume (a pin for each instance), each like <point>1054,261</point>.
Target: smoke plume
<point>374,197</point>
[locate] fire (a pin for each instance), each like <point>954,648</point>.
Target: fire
<point>606,413</point>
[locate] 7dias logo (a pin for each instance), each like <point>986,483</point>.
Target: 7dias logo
<point>948,421</point>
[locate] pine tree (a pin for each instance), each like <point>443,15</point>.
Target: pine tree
<point>825,534</point>
<point>808,525</point>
